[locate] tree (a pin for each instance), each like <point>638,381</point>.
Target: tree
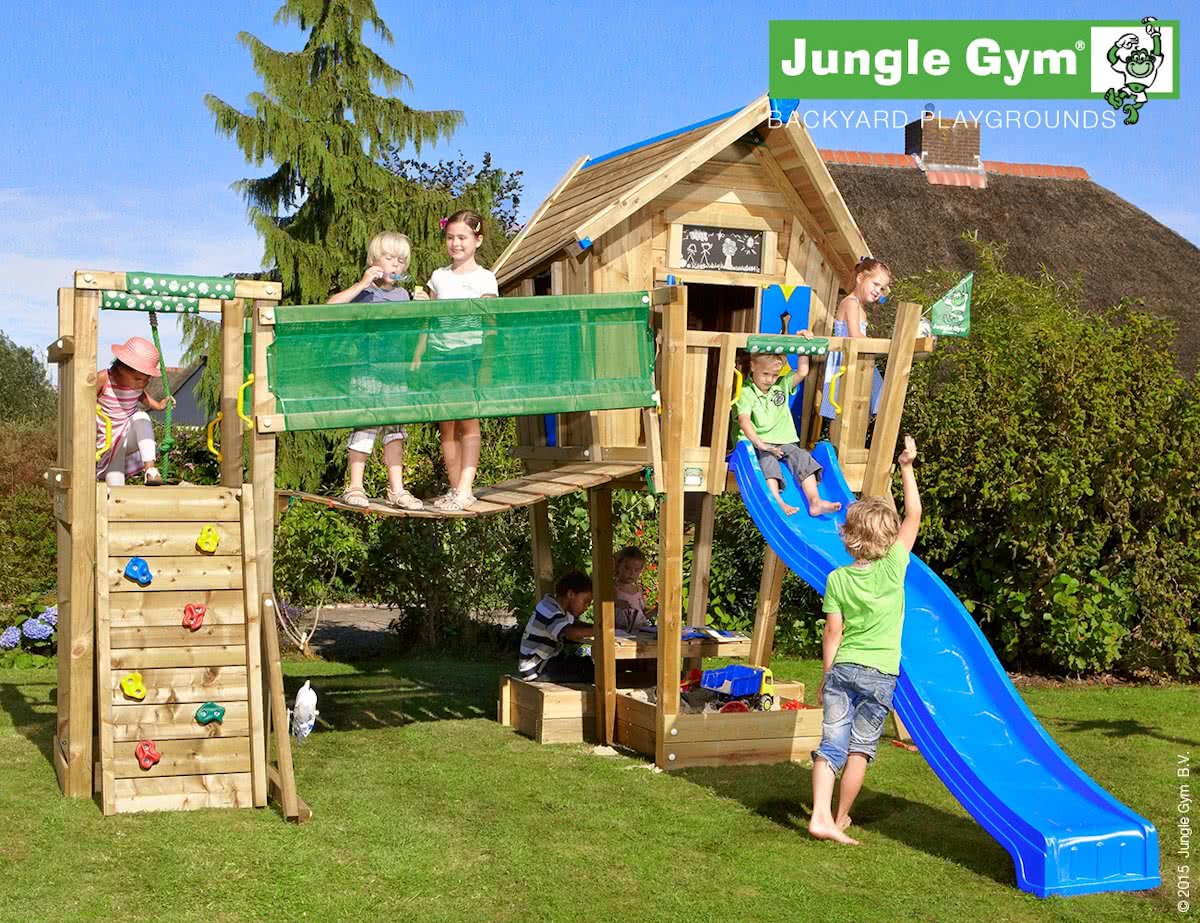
<point>320,122</point>
<point>25,392</point>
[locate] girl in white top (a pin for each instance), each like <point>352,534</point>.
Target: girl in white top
<point>461,337</point>
<point>631,611</point>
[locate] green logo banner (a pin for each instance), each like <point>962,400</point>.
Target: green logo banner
<point>952,312</point>
<point>974,59</point>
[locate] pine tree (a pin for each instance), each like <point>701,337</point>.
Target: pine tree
<point>320,122</point>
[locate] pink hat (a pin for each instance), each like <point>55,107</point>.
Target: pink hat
<point>138,353</point>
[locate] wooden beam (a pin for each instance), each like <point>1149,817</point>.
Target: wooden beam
<point>877,480</point>
<point>254,650</point>
<point>60,350</point>
<point>514,245</point>
<point>99,279</point>
<point>78,646</point>
<point>288,799</point>
<point>673,171</point>
<point>719,449</point>
<point>763,639</point>
<point>670,564</point>
<point>600,515</point>
<point>232,334</point>
<point>543,555</point>
<point>103,653</point>
<point>809,221</point>
<point>701,570</point>
<point>652,428</point>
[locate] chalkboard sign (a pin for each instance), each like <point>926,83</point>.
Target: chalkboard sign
<point>725,249</point>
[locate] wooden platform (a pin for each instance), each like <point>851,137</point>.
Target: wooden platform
<point>645,647</point>
<point>498,498</point>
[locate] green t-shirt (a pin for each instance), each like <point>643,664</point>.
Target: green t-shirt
<point>770,413</point>
<point>871,601</point>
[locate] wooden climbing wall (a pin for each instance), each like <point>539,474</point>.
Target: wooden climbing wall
<point>140,630</point>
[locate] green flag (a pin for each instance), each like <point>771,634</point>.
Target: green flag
<point>952,312</point>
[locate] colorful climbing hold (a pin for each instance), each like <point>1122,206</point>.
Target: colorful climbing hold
<point>138,571</point>
<point>210,712</point>
<point>208,540</point>
<point>133,687</point>
<point>147,753</point>
<point>193,615</point>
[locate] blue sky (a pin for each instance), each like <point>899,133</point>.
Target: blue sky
<point>111,160</point>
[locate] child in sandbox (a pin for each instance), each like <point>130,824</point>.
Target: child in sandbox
<point>553,623</point>
<point>121,393</point>
<point>864,617</point>
<point>631,612</point>
<point>387,264</point>
<point>765,415</point>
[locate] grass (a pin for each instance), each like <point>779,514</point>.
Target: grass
<point>427,810</point>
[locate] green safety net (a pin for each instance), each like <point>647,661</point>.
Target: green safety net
<point>168,304</point>
<point>787,345</point>
<point>361,365</point>
<point>161,283</point>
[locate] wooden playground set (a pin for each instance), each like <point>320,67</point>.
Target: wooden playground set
<point>626,258</point>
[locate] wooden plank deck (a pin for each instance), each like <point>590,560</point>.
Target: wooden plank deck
<point>498,498</point>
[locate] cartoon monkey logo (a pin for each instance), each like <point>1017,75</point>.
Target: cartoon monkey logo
<point>1139,65</point>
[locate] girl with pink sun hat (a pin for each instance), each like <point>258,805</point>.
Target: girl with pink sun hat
<point>120,392</point>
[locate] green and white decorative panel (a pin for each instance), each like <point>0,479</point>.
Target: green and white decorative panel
<point>166,304</point>
<point>146,283</point>
<point>787,345</point>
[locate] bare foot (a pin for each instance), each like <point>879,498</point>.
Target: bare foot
<point>821,507</point>
<point>844,822</point>
<point>829,831</point>
<point>788,509</point>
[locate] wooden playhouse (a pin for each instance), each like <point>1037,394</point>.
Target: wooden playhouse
<point>740,215</point>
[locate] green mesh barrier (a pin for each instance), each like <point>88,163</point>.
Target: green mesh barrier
<point>409,362</point>
<point>789,345</point>
<point>166,304</point>
<point>147,283</point>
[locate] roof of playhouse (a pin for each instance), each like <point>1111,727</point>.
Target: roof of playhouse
<point>597,194</point>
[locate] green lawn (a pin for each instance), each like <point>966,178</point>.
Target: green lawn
<point>426,809</point>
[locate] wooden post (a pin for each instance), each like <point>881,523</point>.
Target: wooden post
<point>603,641</point>
<point>254,645</point>
<point>877,481</point>
<point>108,795</point>
<point>543,555</point>
<point>289,800</point>
<point>232,327</point>
<point>841,429</point>
<point>670,564</point>
<point>653,431</point>
<point>701,569</point>
<point>763,640</point>
<point>718,450</point>
<point>76,630</point>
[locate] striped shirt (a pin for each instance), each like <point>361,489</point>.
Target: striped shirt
<point>543,637</point>
<point>120,404</point>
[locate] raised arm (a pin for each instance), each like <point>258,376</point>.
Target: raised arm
<point>911,523</point>
<point>372,275</point>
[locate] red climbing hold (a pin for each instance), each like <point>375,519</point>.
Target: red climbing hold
<point>147,754</point>
<point>193,615</point>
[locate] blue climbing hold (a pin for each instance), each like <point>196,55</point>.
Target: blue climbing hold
<point>138,571</point>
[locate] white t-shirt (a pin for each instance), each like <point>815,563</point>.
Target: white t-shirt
<point>463,331</point>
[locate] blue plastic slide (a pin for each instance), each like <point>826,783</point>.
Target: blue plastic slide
<point>1066,835</point>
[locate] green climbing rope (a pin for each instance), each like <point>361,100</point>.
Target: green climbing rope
<point>168,441</point>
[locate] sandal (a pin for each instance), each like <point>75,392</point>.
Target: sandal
<point>403,500</point>
<point>439,503</point>
<point>152,477</point>
<point>459,503</point>
<point>356,496</point>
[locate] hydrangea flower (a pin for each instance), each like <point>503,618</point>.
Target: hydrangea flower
<point>10,638</point>
<point>35,630</point>
<point>50,616</point>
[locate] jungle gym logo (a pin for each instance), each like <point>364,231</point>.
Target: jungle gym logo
<point>1123,62</point>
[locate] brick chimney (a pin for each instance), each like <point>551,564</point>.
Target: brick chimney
<point>948,151</point>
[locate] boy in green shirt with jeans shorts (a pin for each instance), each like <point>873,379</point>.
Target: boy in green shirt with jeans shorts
<point>864,617</point>
<point>765,415</point>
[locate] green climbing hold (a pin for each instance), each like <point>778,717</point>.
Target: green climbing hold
<point>209,713</point>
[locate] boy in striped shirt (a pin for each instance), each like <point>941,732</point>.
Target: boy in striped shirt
<point>553,623</point>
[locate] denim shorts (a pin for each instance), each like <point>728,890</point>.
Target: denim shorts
<point>857,701</point>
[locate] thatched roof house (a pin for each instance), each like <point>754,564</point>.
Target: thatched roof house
<point>912,209</point>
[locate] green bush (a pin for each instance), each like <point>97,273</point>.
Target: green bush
<point>27,554</point>
<point>1060,467</point>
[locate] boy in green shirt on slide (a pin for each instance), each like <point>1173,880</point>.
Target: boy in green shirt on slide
<point>864,617</point>
<point>765,415</point>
